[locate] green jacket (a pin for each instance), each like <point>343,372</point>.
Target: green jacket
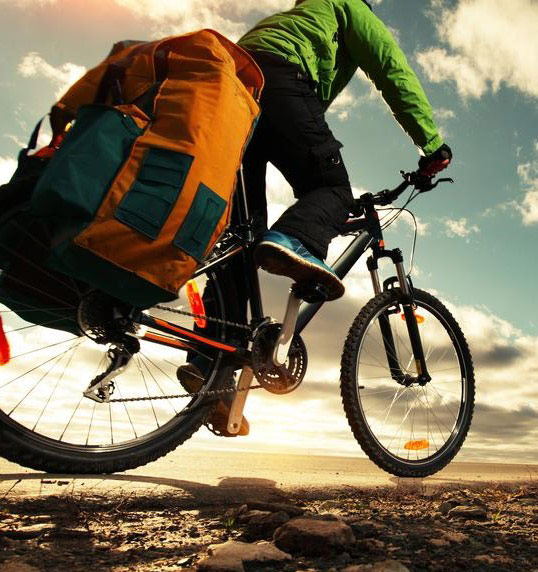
<point>330,39</point>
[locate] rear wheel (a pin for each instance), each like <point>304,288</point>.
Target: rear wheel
<point>46,423</point>
<point>415,430</point>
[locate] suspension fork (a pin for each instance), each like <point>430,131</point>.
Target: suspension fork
<point>408,306</point>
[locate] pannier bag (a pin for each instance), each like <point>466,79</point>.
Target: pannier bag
<point>140,190</point>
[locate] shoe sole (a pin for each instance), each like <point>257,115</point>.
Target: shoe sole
<point>276,260</point>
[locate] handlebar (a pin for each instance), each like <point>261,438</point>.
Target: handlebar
<point>422,183</point>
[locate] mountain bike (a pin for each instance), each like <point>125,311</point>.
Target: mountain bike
<point>91,383</point>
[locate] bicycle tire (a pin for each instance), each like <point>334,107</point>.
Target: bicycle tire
<point>373,444</point>
<point>20,444</point>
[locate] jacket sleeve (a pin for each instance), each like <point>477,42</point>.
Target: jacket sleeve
<point>374,49</point>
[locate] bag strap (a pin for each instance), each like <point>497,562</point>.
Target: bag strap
<point>111,84</point>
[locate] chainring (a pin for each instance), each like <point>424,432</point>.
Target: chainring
<point>278,379</point>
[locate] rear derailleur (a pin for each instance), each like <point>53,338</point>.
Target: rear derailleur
<point>102,386</point>
<point>107,321</point>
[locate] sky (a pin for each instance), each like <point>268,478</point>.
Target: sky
<point>478,62</point>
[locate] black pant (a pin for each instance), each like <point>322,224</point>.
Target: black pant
<point>292,134</point>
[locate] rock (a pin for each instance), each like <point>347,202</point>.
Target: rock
<point>264,525</point>
<point>313,537</point>
<point>455,536</point>
<point>439,542</point>
<point>485,558</point>
<point>17,564</point>
<point>446,506</point>
<point>384,566</point>
<point>215,564</point>
<point>232,555</point>
<point>362,528</point>
<point>290,509</point>
<point>321,516</point>
<point>527,501</point>
<point>28,532</point>
<point>468,513</point>
<point>235,512</point>
<point>247,515</point>
<point>371,545</point>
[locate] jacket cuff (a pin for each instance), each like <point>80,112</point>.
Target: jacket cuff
<point>432,145</point>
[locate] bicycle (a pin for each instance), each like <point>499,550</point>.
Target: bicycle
<point>407,381</point>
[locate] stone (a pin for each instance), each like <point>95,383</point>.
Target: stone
<point>389,566</point>
<point>384,566</point>
<point>371,545</point>
<point>215,564</point>
<point>17,564</point>
<point>528,501</point>
<point>364,528</point>
<point>290,509</point>
<point>468,513</point>
<point>439,542</point>
<point>264,525</point>
<point>446,506</point>
<point>247,515</point>
<point>455,536</point>
<point>232,555</point>
<point>321,516</point>
<point>29,532</point>
<point>313,537</point>
<point>485,558</point>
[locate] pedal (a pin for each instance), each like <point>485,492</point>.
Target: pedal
<point>238,404</point>
<point>313,293</point>
<point>283,343</point>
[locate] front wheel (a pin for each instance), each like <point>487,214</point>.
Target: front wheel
<point>408,430</point>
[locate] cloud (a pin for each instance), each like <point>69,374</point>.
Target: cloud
<point>460,227</point>
<point>7,168</point>
<point>343,104</point>
<point>26,3</point>
<point>62,77</point>
<point>444,113</point>
<point>227,16</point>
<point>528,175</point>
<point>486,45</point>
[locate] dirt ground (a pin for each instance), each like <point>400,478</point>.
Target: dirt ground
<point>496,531</point>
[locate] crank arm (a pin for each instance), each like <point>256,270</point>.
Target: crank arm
<point>283,343</point>
<point>238,404</point>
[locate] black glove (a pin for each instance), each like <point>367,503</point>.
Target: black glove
<point>437,161</point>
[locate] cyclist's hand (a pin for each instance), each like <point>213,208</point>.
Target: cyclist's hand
<point>437,161</point>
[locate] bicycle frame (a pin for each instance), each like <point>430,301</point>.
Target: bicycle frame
<point>370,235</point>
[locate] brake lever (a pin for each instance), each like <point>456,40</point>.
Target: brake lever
<point>429,187</point>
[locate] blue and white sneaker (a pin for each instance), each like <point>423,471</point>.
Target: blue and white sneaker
<point>285,255</point>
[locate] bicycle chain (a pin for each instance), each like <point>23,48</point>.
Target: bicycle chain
<point>208,318</point>
<point>209,393</point>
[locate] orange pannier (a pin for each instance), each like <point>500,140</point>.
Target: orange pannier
<point>140,189</point>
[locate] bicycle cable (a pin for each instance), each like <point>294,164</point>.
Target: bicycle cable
<point>413,195</point>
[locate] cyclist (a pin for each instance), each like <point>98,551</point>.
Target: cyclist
<point>308,54</point>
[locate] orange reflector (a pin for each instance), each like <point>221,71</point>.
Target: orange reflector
<point>5,353</point>
<point>420,319</point>
<point>417,445</point>
<point>196,303</point>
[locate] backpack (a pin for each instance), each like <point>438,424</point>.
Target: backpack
<point>140,188</point>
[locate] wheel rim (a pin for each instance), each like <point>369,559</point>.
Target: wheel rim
<point>41,388</point>
<point>413,425</point>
